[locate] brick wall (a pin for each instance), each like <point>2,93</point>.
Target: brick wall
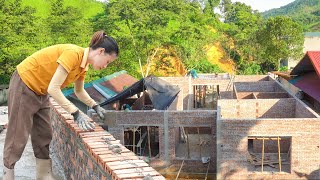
<point>259,86</point>
<point>303,111</point>
<point>245,95</point>
<point>264,108</point>
<point>168,123</point>
<point>247,78</point>
<point>93,155</point>
<point>186,87</point>
<point>233,144</point>
<point>272,95</point>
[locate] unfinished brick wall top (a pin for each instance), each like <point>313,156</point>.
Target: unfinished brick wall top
<point>262,95</point>
<point>186,86</point>
<point>251,78</point>
<point>264,108</point>
<point>259,86</point>
<point>93,155</point>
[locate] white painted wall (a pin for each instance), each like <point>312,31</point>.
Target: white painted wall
<point>310,44</point>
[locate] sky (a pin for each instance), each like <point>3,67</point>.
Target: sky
<point>264,5</point>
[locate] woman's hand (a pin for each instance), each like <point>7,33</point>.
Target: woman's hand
<point>100,111</point>
<point>83,121</point>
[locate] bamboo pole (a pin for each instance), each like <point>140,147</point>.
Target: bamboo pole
<point>180,168</point>
<point>279,151</point>
<point>207,171</point>
<point>148,128</point>
<point>262,155</point>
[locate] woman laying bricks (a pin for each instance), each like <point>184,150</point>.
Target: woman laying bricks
<point>42,74</point>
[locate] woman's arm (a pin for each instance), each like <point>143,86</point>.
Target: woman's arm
<point>82,94</point>
<point>54,90</point>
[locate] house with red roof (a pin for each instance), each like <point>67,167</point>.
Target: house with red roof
<point>306,76</point>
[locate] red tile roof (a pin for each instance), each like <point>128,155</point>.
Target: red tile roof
<point>112,84</point>
<point>315,59</point>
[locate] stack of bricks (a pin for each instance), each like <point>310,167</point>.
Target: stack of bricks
<point>95,154</point>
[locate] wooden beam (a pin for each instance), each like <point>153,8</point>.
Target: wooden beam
<point>149,146</point>
<point>279,151</point>
<point>264,138</point>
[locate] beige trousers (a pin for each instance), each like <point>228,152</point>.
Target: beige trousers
<point>29,113</point>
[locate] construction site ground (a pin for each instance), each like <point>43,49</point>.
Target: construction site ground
<point>25,168</point>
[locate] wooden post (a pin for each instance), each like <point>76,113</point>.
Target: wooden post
<point>213,99</point>
<point>199,94</point>
<point>279,151</point>
<point>194,97</point>
<point>204,92</point>
<point>262,154</point>
<point>148,128</point>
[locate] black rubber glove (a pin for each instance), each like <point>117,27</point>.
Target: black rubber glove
<point>82,121</point>
<point>100,111</point>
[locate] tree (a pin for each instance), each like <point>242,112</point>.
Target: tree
<point>140,27</point>
<point>280,38</point>
<point>16,34</point>
<point>66,24</point>
<point>242,25</point>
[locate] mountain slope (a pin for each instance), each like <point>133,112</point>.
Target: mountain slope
<point>306,12</point>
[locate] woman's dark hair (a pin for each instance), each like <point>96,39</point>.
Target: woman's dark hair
<point>100,39</point>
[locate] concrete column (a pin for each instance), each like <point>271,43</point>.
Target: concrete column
<point>166,136</point>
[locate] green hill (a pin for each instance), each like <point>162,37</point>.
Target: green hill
<point>306,12</point>
<point>89,7</point>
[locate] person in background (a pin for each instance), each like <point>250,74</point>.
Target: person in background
<point>45,73</point>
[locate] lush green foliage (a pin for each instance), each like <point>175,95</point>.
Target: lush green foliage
<point>88,8</point>
<point>305,12</point>
<point>141,26</point>
<point>280,38</point>
<point>184,28</point>
<point>258,41</point>
<point>16,35</point>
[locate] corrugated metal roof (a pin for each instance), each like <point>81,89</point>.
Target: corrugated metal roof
<point>312,34</point>
<point>309,83</point>
<point>108,86</point>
